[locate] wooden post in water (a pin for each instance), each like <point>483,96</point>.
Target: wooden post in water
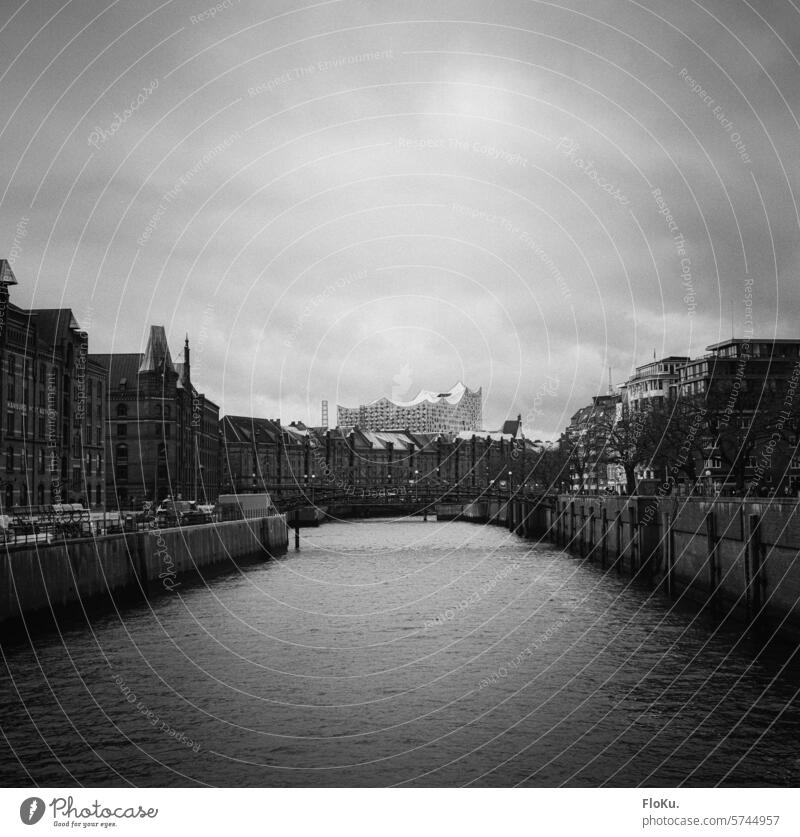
<point>572,524</point>
<point>603,537</point>
<point>711,551</point>
<point>590,540</point>
<point>636,556</point>
<point>668,540</point>
<point>752,567</point>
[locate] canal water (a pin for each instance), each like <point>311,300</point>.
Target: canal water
<point>392,652</point>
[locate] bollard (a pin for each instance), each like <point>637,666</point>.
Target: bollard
<point>296,537</point>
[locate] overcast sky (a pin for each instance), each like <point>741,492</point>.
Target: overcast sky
<point>347,199</point>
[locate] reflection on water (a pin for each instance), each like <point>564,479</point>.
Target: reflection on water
<point>402,652</point>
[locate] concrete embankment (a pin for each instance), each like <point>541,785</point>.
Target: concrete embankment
<point>735,557</point>
<point>40,581</point>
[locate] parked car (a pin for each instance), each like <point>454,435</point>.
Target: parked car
<point>181,513</point>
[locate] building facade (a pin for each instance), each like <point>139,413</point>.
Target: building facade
<point>457,409</point>
<point>53,432</point>
<point>160,436</point>
<point>653,384</point>
<point>750,388</point>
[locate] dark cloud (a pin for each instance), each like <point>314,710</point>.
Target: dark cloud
<point>461,190</point>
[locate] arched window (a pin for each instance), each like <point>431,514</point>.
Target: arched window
<point>122,410</point>
<point>157,410</point>
<point>121,452</point>
<point>167,411</point>
<point>9,495</point>
<point>40,494</point>
<point>23,495</point>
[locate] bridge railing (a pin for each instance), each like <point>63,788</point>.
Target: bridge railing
<point>388,496</point>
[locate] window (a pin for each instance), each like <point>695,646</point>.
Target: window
<point>100,463</point>
<point>10,460</point>
<point>122,471</point>
<point>88,462</point>
<point>167,411</point>
<point>122,410</point>
<point>98,495</point>
<point>40,494</point>
<point>9,495</point>
<point>122,452</point>
<point>122,430</point>
<point>42,461</point>
<point>10,423</point>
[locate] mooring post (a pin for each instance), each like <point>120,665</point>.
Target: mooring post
<point>711,541</point>
<point>753,573</point>
<point>669,553</point>
<point>603,537</point>
<point>296,536</point>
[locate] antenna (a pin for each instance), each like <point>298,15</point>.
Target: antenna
<point>324,413</point>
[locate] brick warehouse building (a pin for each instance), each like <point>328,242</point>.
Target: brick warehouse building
<point>162,434</point>
<point>53,433</point>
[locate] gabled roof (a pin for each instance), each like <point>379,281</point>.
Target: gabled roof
<point>54,323</point>
<point>6,273</point>
<point>121,368</point>
<point>247,429</point>
<point>156,355</point>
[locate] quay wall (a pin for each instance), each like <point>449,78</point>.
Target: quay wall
<point>736,557</point>
<point>45,579</point>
